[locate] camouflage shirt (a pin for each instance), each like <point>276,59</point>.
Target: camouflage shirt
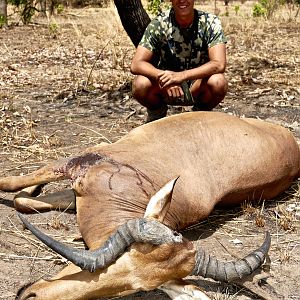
<point>178,49</point>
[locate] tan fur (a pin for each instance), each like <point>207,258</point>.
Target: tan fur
<point>144,267</point>
<point>221,160</point>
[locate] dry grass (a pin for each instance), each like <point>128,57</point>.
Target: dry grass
<point>90,51</point>
<point>103,59</point>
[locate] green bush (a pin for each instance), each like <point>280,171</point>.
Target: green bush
<point>53,27</point>
<point>2,21</point>
<point>258,10</point>
<point>156,6</point>
<point>266,8</point>
<point>236,9</point>
<point>60,8</point>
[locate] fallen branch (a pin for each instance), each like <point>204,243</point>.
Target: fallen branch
<point>19,257</point>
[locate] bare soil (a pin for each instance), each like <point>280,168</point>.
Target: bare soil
<point>65,85</point>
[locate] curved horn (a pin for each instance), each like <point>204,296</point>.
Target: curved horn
<point>208,266</point>
<point>137,230</point>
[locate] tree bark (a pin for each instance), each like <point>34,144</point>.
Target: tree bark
<point>134,18</point>
<point>43,6</point>
<point>3,12</point>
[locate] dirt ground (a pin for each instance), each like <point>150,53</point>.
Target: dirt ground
<point>65,85</point>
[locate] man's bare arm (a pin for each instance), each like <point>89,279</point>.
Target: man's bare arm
<point>217,64</point>
<point>141,64</point>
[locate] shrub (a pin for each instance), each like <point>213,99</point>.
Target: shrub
<point>258,11</point>
<point>156,6</point>
<point>2,21</point>
<point>266,8</point>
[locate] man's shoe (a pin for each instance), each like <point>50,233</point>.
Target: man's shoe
<point>155,114</point>
<point>200,107</point>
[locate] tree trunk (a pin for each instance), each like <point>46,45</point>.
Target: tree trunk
<point>134,18</point>
<point>3,13</point>
<point>43,6</point>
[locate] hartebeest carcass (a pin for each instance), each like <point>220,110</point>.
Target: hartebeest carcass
<point>220,159</point>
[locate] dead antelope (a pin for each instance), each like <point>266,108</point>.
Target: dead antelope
<point>220,159</point>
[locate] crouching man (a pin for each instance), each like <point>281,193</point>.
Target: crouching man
<point>180,60</point>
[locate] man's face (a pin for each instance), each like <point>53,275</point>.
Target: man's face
<point>183,7</point>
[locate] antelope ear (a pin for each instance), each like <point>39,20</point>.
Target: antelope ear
<point>159,203</point>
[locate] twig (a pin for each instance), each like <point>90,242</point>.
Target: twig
<point>28,239</point>
<point>15,256</point>
<point>6,296</point>
<point>8,51</point>
<point>257,290</point>
<point>130,114</point>
<point>100,134</point>
<point>33,261</point>
<point>97,58</point>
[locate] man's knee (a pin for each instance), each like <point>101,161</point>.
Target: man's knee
<point>218,85</point>
<point>147,93</point>
<point>210,92</point>
<point>140,86</point>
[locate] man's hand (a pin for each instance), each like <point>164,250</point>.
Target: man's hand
<point>169,78</point>
<point>174,92</point>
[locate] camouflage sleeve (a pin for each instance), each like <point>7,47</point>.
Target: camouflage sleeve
<point>151,38</point>
<point>215,32</point>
